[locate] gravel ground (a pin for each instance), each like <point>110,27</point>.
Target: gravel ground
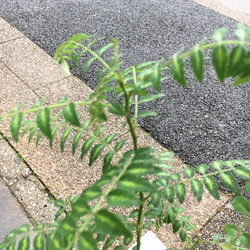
<point>201,123</point>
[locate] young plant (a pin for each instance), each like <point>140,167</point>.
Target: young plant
<point>140,178</point>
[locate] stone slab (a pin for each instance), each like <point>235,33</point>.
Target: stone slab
<point>7,32</point>
<point>30,63</point>
<point>11,215</point>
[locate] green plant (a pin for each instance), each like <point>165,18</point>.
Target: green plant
<point>140,178</point>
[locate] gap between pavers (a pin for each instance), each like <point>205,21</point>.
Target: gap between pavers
<point>29,73</point>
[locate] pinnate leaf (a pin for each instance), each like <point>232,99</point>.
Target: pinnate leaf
<point>15,125</point>
<point>109,223</point>
<point>70,114</point>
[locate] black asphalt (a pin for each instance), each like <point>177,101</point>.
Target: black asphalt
<point>201,123</point>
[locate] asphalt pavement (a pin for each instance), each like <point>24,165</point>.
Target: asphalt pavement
<point>200,123</point>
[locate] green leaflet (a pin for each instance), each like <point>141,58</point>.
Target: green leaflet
<point>38,104</point>
<point>92,193</point>
<point>16,109</point>
<point>245,240</point>
<point>39,136</point>
<point>236,60</point>
<point>175,176</point>
<point>43,122</point>
<point>107,161</point>
<point>155,77</point>
<point>108,243</point>
<point>104,48</point>
<point>217,165</point>
<point>67,227</point>
<point>183,235</point>
<point>38,242</point>
<point>197,63</point>
<point>176,226</point>
<point>241,205</point>
<point>76,140</point>
<point>110,138</point>
<point>169,194</point>
<point>123,198</point>
<point>242,31</point>
<point>86,241</point>
<point>116,109</point>
<point>64,137</point>
<point>243,173</point>
<point>65,66</point>
<point>86,124</point>
<point>23,229</point>
<point>197,189</point>
<point>189,172</point>
<point>95,152</point>
<point>202,169</point>
<point>86,146</point>
<point>230,229</point>
<point>247,187</point>
<point>70,114</point>
<point>180,190</point>
<point>150,98</point>
<point>11,246</point>
<point>219,34</point>
<point>80,207</point>
<point>230,182</point>
<point>212,186</point>
<point>220,61</point>
<point>24,243</point>
<point>135,184</point>
<point>33,131</point>
<point>53,133</point>
<point>53,241</point>
<point>109,223</point>
<point>15,125</point>
<point>87,64</point>
<point>241,80</point>
<point>177,70</point>
<point>63,100</point>
<point>147,224</point>
<point>146,114</point>
<point>120,144</point>
<point>27,128</point>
